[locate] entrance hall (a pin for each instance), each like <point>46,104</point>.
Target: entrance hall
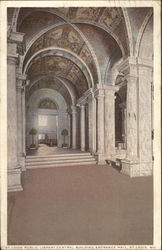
<point>80,102</point>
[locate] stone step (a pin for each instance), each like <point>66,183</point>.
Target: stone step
<point>59,161</point>
<point>61,164</point>
<point>57,156</point>
<point>28,160</point>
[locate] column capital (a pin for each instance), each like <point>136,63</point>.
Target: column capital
<point>99,91</point>
<point>82,106</point>
<point>18,39</point>
<point>21,77</point>
<point>12,60</point>
<point>128,67</point>
<point>111,89</point>
<point>19,85</point>
<point>74,109</point>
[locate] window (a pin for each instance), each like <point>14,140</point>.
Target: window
<point>42,120</point>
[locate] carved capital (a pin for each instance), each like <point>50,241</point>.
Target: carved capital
<point>12,60</point>
<point>74,109</point>
<point>111,89</point>
<point>18,39</point>
<point>128,67</point>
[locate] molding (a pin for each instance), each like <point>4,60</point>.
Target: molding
<point>12,59</point>
<point>141,32</point>
<point>110,88</point>
<point>17,37</point>
<point>144,62</point>
<point>128,28</point>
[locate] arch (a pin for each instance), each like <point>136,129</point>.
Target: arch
<point>106,29</point>
<point>141,31</point>
<point>67,85</point>
<point>129,30</point>
<point>76,29</point>
<point>111,73</point>
<point>47,103</point>
<point>66,54</point>
<point>14,19</point>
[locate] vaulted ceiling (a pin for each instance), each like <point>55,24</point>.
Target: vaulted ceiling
<point>90,41</point>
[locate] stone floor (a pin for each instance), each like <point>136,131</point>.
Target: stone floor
<point>81,205</point>
<point>44,149</point>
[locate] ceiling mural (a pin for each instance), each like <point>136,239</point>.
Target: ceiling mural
<point>109,17</point>
<point>59,66</point>
<point>103,44</point>
<point>35,21</point>
<point>63,37</point>
<point>100,36</point>
<point>49,64</point>
<point>51,83</point>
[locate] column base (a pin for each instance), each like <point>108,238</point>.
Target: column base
<point>21,161</point>
<point>100,159</point>
<point>134,168</point>
<point>14,180</point>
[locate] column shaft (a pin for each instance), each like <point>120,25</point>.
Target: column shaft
<point>94,125</point>
<point>82,127</point>
<point>14,171</point>
<point>24,122</point>
<point>11,114</point>
<point>90,124</point>
<point>109,123</point>
<point>20,125</point>
<point>100,126</point>
<point>132,118</point>
<point>74,125</point>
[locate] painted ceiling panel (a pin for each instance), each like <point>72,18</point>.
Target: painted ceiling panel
<point>49,82</point>
<point>63,37</point>
<point>103,44</point>
<point>109,16</point>
<point>58,66</point>
<point>136,16</point>
<point>36,22</point>
<point>122,36</point>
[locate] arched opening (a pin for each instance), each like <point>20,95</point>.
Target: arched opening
<point>47,122</point>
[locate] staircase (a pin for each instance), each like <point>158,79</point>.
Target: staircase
<point>60,160</point>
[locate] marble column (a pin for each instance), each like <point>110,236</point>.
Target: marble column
<point>23,122</point>
<point>100,126</point>
<point>74,126</point>
<point>145,117</point>
<point>82,127</point>
<point>69,131</point>
<point>14,170</point>
<point>93,124</point>
<point>20,121</point>
<point>130,165</point>
<point>90,123</point>
<point>110,121</point>
<point>125,127</point>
